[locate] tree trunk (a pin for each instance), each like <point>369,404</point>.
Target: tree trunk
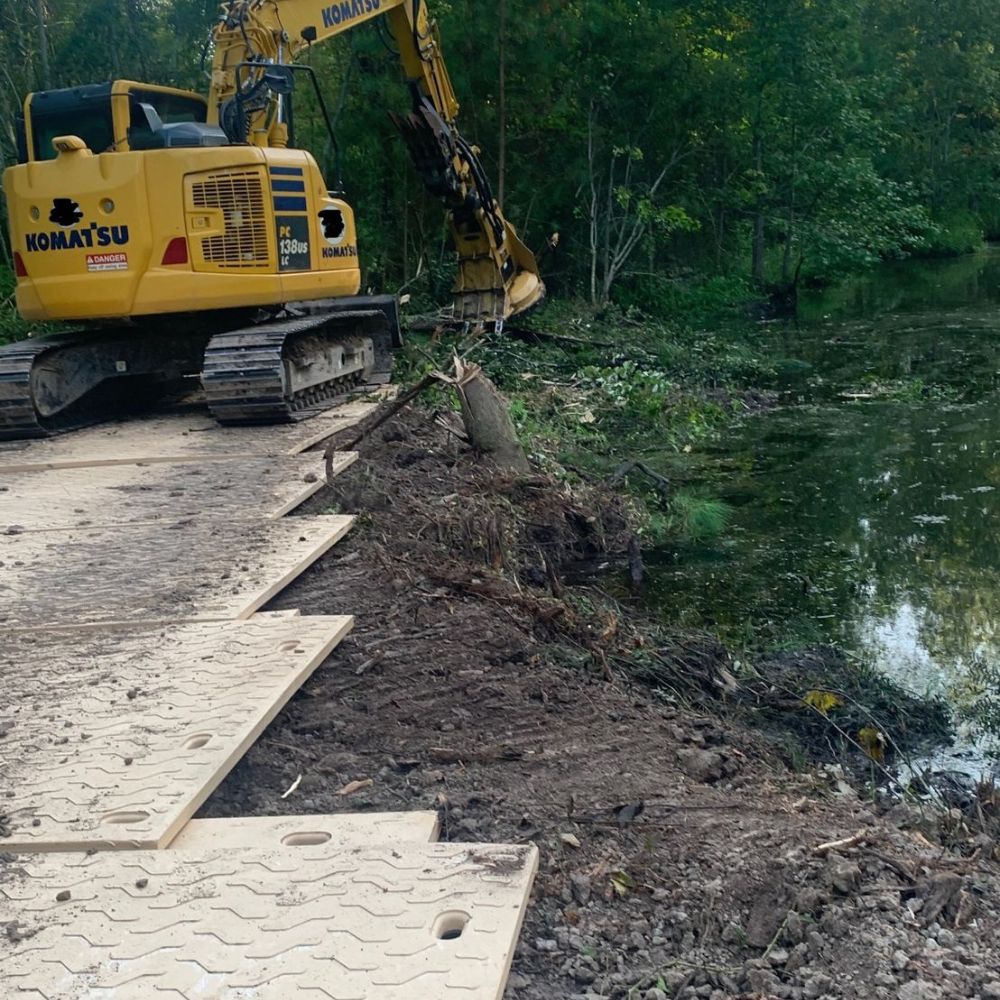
<point>757,261</point>
<point>594,217</point>
<point>502,165</point>
<point>43,45</point>
<point>487,418</point>
<point>790,220</point>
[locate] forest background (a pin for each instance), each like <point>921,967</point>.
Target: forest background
<point>744,145</point>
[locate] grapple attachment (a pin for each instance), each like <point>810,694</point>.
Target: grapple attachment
<point>497,274</point>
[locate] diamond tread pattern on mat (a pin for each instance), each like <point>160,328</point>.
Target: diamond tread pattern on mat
<point>196,570</point>
<point>401,922</point>
<point>179,438</point>
<point>108,495</point>
<point>339,830</point>
<point>113,739</point>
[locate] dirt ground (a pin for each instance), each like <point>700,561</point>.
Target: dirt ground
<point>679,857</point>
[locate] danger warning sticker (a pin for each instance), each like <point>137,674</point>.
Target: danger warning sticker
<point>107,261</point>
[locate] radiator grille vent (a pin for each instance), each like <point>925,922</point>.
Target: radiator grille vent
<point>240,195</point>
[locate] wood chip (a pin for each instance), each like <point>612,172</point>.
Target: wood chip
<point>291,788</point>
<point>355,786</point>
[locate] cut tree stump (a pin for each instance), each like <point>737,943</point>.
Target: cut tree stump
<point>486,416</point>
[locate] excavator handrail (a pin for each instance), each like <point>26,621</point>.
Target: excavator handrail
<point>338,186</point>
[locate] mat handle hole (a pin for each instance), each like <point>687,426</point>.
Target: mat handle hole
<point>307,838</point>
<point>450,926</point>
<point>136,816</point>
<point>197,741</point>
<point>291,646</point>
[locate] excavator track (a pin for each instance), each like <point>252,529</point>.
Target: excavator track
<point>276,371</point>
<point>59,382</point>
<point>18,417</point>
<point>264,374</point>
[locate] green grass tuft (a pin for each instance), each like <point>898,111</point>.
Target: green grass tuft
<point>700,519</point>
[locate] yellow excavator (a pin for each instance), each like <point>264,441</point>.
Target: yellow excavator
<point>190,236</point>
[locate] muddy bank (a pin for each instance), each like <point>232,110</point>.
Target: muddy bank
<point>680,851</point>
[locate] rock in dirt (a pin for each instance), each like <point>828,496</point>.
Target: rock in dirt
<point>582,888</point>
<point>701,765</point>
<point>817,986</point>
<point>844,876</point>
<point>918,989</point>
<point>939,894</point>
<point>766,917</point>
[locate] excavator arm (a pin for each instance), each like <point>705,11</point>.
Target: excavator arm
<point>497,274</point>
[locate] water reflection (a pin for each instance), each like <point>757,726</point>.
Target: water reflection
<point>867,509</point>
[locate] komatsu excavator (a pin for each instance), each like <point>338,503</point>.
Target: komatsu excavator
<point>188,235</point>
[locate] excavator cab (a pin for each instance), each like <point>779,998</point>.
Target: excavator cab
<point>109,117</point>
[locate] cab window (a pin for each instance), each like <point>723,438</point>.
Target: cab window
<point>92,122</point>
<point>172,107</point>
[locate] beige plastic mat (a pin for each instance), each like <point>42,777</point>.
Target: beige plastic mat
<point>408,922</point>
<point>338,830</point>
<point>100,496</point>
<point>197,570</point>
<point>183,437</point>
<point>112,740</point>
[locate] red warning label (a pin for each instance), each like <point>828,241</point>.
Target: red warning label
<point>107,261</point>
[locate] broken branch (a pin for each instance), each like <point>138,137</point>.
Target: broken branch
<point>406,398</point>
<point>841,845</point>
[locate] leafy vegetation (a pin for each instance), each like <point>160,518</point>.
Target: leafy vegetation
<point>603,393</point>
<point>12,327</point>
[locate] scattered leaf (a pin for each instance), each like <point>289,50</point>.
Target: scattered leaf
<point>570,839</point>
<point>610,630</point>
<point>873,742</point>
<point>622,883</point>
<point>822,701</point>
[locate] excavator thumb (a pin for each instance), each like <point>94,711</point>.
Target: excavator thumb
<point>497,274</point>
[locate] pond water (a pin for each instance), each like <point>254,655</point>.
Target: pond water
<point>866,507</point>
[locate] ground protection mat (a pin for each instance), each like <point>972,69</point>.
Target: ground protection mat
<point>402,922</point>
<point>181,437</point>
<point>339,830</point>
<point>108,495</point>
<point>201,569</point>
<point>112,739</point>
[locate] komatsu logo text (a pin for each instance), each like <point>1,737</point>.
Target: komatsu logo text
<point>348,251</point>
<point>347,10</point>
<point>77,239</point>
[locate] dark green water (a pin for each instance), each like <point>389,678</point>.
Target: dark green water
<point>867,506</point>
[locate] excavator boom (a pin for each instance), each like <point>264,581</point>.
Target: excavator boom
<point>498,275</point>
